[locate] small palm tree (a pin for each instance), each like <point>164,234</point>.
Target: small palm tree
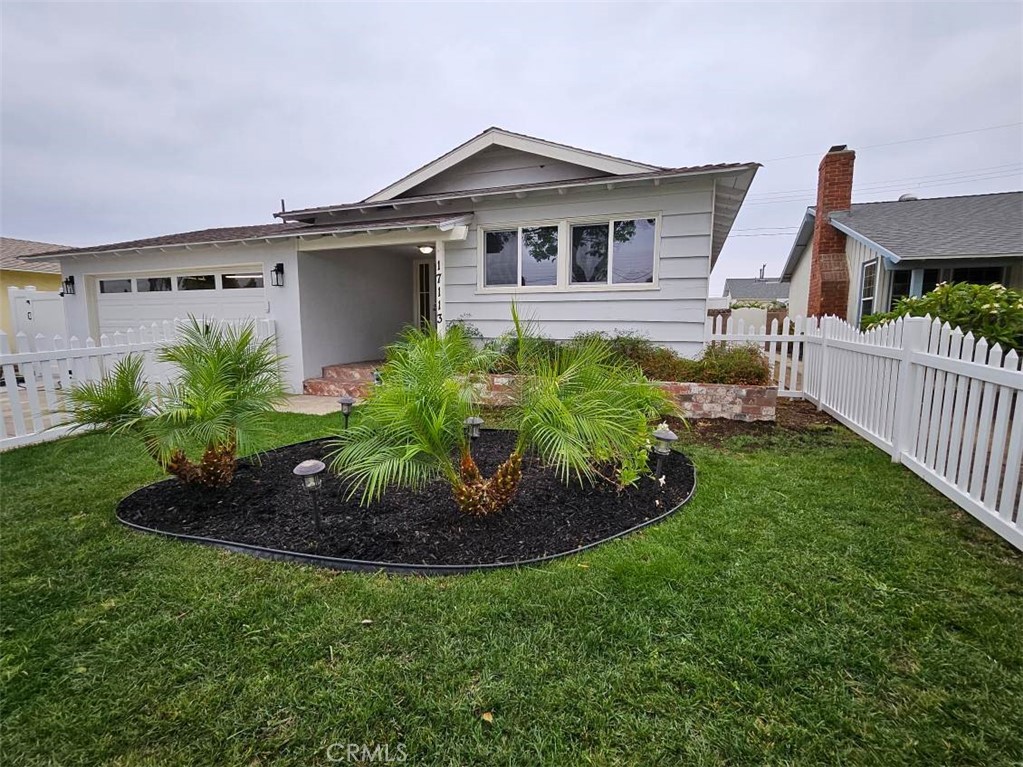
<point>579,409</point>
<point>227,384</point>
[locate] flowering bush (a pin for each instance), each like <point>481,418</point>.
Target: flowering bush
<point>993,312</point>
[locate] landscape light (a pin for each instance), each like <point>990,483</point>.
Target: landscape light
<point>310,471</point>
<point>662,446</point>
<point>472,426</point>
<point>346,403</point>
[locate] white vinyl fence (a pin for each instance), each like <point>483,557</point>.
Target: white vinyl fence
<point>947,405</point>
<point>36,373</point>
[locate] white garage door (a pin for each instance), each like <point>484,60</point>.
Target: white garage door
<point>126,302</point>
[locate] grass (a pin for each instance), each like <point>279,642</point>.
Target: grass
<point>814,604</point>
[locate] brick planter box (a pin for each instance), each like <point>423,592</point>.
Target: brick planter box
<point>695,400</point>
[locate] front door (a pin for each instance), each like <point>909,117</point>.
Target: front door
<point>424,293</point>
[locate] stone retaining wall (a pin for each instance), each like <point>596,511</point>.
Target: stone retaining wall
<point>695,400</point>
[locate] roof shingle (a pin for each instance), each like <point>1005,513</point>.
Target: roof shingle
<point>12,250</point>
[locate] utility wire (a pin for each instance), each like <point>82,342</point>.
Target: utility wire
<point>907,141</point>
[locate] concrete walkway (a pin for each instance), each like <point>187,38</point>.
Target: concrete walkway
<point>310,405</point>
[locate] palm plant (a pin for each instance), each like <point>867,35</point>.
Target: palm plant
<point>578,408</point>
<point>227,383</point>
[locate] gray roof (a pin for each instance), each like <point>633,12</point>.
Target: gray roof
<point>756,289</point>
<point>975,225</point>
<point>12,250</point>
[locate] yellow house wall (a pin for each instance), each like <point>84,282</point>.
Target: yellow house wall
<point>10,278</point>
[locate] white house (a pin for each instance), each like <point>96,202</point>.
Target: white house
<point>580,240</point>
<point>854,259</point>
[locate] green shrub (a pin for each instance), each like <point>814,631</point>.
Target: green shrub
<point>993,312</point>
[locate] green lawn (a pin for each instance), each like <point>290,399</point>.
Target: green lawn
<point>814,604</point>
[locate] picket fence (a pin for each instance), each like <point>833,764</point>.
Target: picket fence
<point>944,404</point>
<point>36,373</point>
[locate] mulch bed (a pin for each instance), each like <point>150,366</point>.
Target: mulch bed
<point>266,506</point>
<point>792,416</point>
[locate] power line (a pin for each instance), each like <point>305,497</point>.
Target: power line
<point>907,141</point>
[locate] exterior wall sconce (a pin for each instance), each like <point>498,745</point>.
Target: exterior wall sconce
<point>426,249</point>
<point>277,275</point>
<point>69,286</point>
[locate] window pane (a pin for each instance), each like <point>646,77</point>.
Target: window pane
<point>500,259</point>
<point>197,282</point>
<point>634,251</point>
<point>235,281</point>
<point>540,256</point>
<point>869,280</point>
<point>931,279</point>
<point>153,284</point>
<point>589,253</point>
<point>978,275</point>
<point>115,286</point>
<point>900,286</point>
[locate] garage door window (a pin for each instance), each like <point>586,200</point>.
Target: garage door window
<point>242,281</point>
<point>197,282</point>
<point>115,286</point>
<point>153,284</point>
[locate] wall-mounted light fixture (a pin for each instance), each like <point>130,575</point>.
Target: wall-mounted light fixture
<point>69,286</point>
<point>426,249</point>
<point>277,275</point>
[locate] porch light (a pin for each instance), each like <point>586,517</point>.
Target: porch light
<point>69,286</point>
<point>346,403</point>
<point>426,249</point>
<point>310,472</point>
<point>662,446</point>
<point>472,426</point>
<point>277,275</point>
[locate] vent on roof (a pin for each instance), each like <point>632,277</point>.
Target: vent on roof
<point>907,197</point>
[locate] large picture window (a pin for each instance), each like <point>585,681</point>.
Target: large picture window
<point>609,252</point>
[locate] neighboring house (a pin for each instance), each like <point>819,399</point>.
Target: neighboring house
<point>764,289</point>
<point>17,272</point>
<point>581,241</point>
<point>852,260</point>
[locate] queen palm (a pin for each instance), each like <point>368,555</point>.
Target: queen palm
<point>579,410</point>
<point>227,383</point>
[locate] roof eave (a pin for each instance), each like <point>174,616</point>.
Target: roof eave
<point>477,194</point>
<point>803,238</point>
<point>889,255</point>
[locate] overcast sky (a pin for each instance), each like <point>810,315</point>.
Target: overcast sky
<point>122,121</point>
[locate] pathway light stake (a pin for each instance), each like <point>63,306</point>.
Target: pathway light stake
<point>662,446</point>
<point>346,403</point>
<point>377,378</point>
<point>472,429</point>
<point>310,472</point>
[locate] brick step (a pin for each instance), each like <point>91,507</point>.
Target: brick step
<point>335,387</point>
<point>359,371</point>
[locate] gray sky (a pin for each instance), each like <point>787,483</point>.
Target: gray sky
<point>122,121</point>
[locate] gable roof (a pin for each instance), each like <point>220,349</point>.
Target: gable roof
<point>756,289</point>
<point>602,163</point>
<point>940,227</point>
<point>12,251</point>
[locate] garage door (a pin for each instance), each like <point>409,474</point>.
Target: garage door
<point>125,302</point>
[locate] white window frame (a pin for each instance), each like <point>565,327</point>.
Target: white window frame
<point>218,273</point>
<point>564,283</point>
<point>873,296</point>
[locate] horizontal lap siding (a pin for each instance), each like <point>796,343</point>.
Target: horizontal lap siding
<point>672,314</point>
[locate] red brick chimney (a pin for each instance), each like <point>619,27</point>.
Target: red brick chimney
<point>829,272</point>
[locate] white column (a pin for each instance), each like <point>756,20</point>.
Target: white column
<point>439,266</point>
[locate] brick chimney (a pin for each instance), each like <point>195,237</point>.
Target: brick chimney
<point>829,271</point>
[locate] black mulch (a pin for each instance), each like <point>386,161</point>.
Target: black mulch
<point>266,506</point>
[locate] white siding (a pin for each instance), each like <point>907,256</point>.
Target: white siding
<point>671,313</point>
<point>500,166</point>
<point>799,285</point>
<point>856,255</point>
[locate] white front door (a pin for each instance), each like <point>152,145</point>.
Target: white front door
<point>424,293</point>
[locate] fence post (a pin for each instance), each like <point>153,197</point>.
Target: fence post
<point>914,339</point>
<point>822,380</point>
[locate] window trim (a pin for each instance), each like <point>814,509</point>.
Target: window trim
<point>564,283</point>
<point>873,295</point>
<point>217,271</point>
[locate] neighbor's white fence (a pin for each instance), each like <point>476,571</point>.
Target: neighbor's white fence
<point>947,405</point>
<point>36,373</point>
